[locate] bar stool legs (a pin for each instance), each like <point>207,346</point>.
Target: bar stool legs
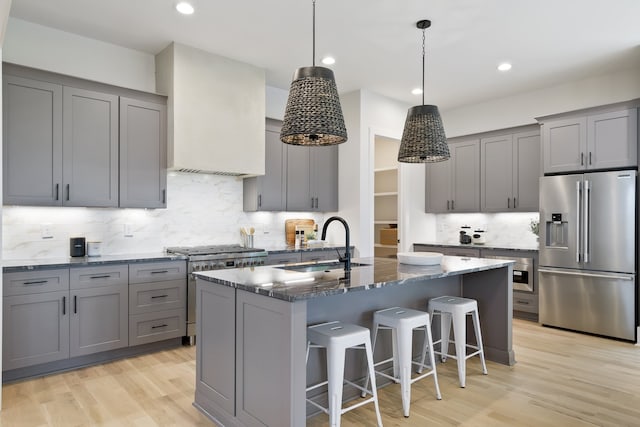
<point>402,322</point>
<point>337,337</point>
<point>455,310</point>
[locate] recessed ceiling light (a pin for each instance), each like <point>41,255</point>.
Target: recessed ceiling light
<point>184,8</point>
<point>416,91</point>
<point>328,60</point>
<point>505,66</point>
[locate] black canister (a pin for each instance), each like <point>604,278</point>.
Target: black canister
<point>77,246</point>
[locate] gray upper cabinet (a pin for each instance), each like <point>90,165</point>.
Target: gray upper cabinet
<point>454,185</point>
<point>312,178</point>
<point>268,192</point>
<point>71,142</point>
<point>143,154</point>
<point>90,148</point>
<point>590,141</point>
<point>32,142</point>
<point>509,172</point>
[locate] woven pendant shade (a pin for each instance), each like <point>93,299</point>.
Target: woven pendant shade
<point>423,139</point>
<point>313,115</point>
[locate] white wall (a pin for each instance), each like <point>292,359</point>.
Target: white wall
<point>523,108</point>
<point>276,102</point>
<point>54,50</point>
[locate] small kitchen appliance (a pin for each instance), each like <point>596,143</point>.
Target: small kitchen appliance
<point>478,238</point>
<point>76,246</point>
<point>94,248</point>
<point>465,235</point>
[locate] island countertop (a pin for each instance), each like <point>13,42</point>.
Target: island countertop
<point>288,284</point>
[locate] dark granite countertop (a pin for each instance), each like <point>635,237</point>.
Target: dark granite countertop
<point>9,266</point>
<point>506,247</point>
<point>290,285</point>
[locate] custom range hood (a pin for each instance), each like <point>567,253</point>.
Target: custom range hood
<point>216,112</point>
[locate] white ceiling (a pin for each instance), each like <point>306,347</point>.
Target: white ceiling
<point>375,42</point>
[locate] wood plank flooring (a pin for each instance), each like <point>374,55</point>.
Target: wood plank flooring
<point>561,379</point>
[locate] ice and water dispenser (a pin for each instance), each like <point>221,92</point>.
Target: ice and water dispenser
<point>556,230</point>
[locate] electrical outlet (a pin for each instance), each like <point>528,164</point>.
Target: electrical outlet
<point>128,230</point>
<point>45,231</point>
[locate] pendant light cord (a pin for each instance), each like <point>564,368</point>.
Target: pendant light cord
<point>423,61</point>
<point>314,34</point>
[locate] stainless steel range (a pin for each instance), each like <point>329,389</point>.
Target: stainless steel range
<point>215,257</point>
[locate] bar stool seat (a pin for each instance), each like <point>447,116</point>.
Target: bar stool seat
<point>455,310</point>
<point>337,337</point>
<point>402,322</point>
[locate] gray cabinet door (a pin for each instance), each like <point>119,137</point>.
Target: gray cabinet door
<point>612,139</point>
<point>35,329</point>
<point>32,142</point>
<point>298,178</point>
<point>497,173</point>
<point>438,187</point>
<point>143,154</point>
<point>324,178</point>
<point>99,319</point>
<point>329,254</point>
<point>466,176</point>
<point>283,258</point>
<point>564,144</point>
<point>90,148</point>
<point>526,181</point>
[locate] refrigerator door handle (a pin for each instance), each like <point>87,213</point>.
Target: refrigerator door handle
<point>578,221</point>
<point>583,274</point>
<point>585,226</point>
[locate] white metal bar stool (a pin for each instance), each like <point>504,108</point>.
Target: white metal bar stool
<point>402,322</point>
<point>456,309</point>
<point>337,337</point>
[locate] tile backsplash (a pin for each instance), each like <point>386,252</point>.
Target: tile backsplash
<point>508,229</point>
<point>202,209</point>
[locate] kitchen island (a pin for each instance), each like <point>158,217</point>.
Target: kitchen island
<point>251,326</point>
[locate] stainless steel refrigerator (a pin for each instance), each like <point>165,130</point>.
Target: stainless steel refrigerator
<point>587,268</point>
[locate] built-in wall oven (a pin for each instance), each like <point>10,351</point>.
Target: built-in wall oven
<point>522,273</point>
<point>207,258</point>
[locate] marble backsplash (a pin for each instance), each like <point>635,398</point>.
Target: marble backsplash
<point>202,209</point>
<point>508,229</point>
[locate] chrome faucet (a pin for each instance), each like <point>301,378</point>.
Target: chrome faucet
<point>347,254</point>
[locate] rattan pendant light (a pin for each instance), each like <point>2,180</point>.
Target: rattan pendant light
<point>313,115</point>
<point>423,139</point>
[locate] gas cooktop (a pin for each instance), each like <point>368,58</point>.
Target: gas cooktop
<point>212,250</point>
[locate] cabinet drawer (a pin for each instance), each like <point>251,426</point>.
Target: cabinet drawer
<point>162,325</point>
<point>320,255</point>
<point>525,302</point>
<point>283,258</point>
<point>91,277</point>
<point>157,271</point>
<point>157,296</point>
<point>34,282</point>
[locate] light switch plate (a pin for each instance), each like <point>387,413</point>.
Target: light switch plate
<point>128,230</point>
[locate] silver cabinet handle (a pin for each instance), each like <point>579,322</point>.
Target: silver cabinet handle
<point>312,203</point>
<point>159,296</point>
<point>75,304</point>
<point>590,158</point>
<point>35,282</point>
<point>514,203</point>
<point>448,204</point>
<point>508,202</point>
<point>259,200</point>
<point>68,191</point>
<point>104,276</point>
<point>164,196</point>
<point>581,159</point>
<point>64,306</point>
<point>522,302</point>
<point>597,275</point>
<point>57,191</point>
<point>159,272</point>
<point>164,325</point>
<point>453,206</point>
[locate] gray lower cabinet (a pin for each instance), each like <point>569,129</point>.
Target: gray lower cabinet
<point>312,178</point>
<point>268,192</point>
<point>510,171</point>
<point>90,148</point>
<point>157,301</point>
<point>32,142</point>
<point>282,258</point>
<point>143,154</point>
<point>35,329</point>
<point>329,254</point>
<point>454,185</point>
<point>602,138</point>
<point>99,309</point>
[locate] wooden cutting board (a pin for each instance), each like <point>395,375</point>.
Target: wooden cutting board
<point>290,228</point>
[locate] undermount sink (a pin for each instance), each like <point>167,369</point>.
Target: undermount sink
<point>320,266</point>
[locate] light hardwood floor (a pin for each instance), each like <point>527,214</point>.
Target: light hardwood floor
<point>561,379</point>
